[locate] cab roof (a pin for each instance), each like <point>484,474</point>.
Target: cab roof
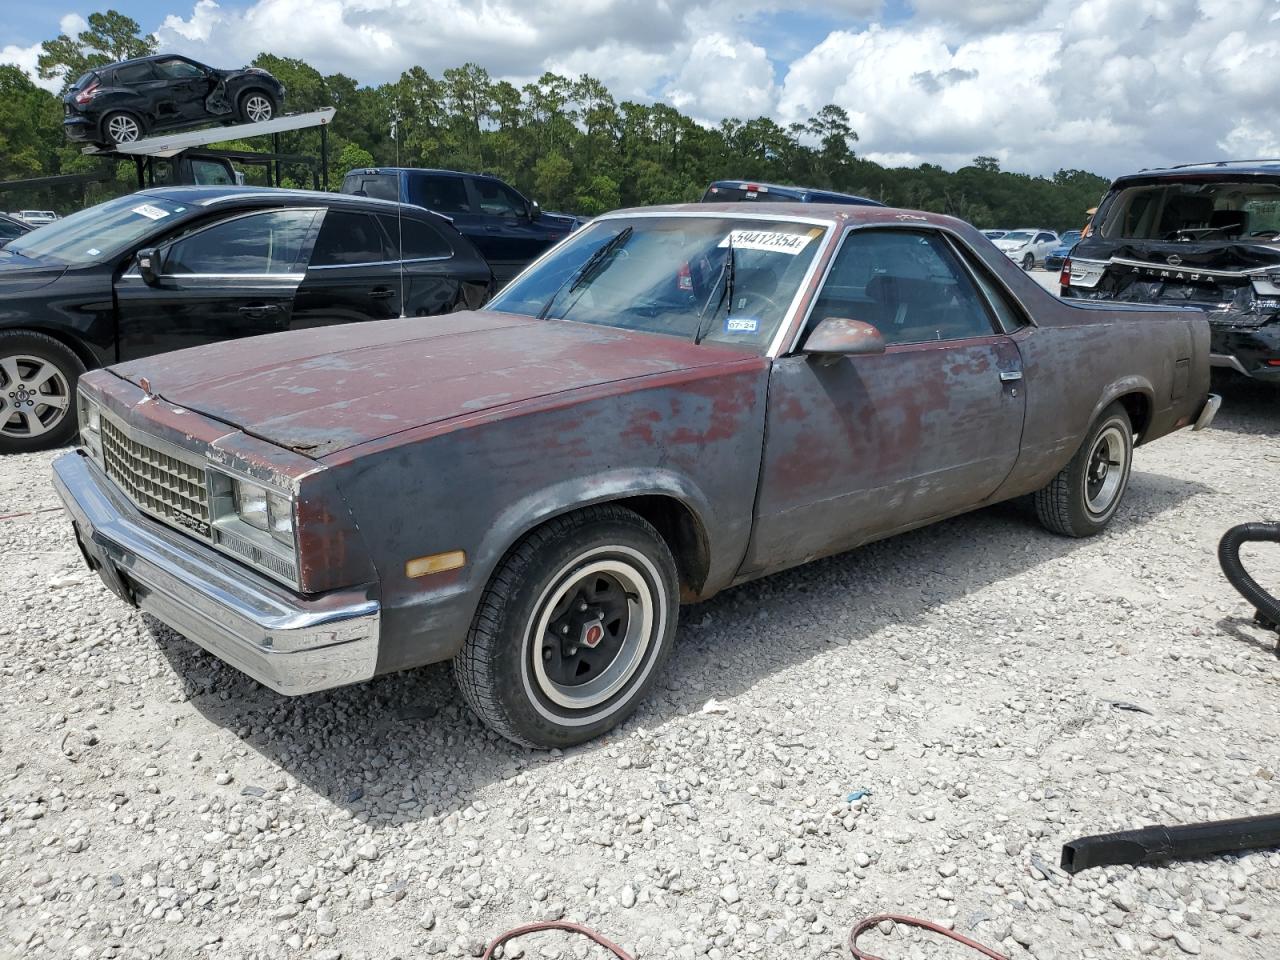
<point>1233,168</point>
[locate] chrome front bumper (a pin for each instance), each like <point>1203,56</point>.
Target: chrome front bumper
<point>290,643</point>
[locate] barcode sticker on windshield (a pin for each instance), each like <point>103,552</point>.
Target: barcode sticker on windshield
<point>791,243</point>
<point>150,212</point>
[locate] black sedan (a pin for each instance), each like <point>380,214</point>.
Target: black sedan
<point>182,266</point>
<point>125,101</point>
<point>11,228</point>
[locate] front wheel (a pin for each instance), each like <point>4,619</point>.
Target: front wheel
<point>1028,262</point>
<point>38,376</point>
<point>1081,500</point>
<point>572,629</point>
<point>257,107</point>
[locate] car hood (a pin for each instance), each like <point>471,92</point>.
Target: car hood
<point>20,274</point>
<point>322,391</point>
<point>1004,244</point>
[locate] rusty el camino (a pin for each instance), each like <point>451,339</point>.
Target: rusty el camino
<point>672,401</point>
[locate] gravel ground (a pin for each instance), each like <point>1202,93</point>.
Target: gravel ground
<point>154,803</point>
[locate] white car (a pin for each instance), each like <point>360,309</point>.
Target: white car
<point>37,218</point>
<point>1028,246</point>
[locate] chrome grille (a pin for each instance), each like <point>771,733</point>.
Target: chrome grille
<point>162,485</point>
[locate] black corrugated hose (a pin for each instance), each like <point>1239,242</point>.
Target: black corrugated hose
<point>1267,606</point>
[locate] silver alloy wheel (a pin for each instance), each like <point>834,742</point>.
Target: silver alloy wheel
<point>614,612</point>
<point>34,396</point>
<point>257,108</point>
<point>122,128</point>
<point>1028,262</point>
<point>1105,472</point>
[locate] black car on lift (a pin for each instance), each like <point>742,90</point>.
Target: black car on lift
<point>182,266</point>
<point>125,101</point>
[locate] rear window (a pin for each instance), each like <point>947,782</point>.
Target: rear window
<point>381,186</point>
<point>1184,210</point>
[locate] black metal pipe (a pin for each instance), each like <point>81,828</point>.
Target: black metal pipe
<point>1267,606</point>
<point>1153,844</point>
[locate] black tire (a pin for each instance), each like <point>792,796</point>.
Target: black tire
<point>511,685</point>
<point>120,126</point>
<point>26,423</point>
<point>1066,505</point>
<point>247,108</point>
<point>1028,262</point>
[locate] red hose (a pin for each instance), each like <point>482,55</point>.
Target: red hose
<point>566,925</point>
<point>870,922</point>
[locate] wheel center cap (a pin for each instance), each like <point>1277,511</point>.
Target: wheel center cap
<point>592,634</point>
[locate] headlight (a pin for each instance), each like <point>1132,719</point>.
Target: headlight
<point>254,521</point>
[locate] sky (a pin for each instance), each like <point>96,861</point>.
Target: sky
<point>1105,85</point>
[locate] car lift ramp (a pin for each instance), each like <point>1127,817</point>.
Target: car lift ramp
<point>143,151</point>
<point>171,144</point>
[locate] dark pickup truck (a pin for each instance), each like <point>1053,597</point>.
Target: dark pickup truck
<point>676,400</point>
<point>1203,235</point>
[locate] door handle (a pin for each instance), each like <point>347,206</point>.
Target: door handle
<point>259,310</point>
<point>1008,375</point>
<point>381,293</point>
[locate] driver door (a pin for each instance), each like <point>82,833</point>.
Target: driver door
<point>185,88</point>
<point>235,278</point>
<point>859,447</point>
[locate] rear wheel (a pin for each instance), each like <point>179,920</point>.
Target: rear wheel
<point>572,630</point>
<point>121,128</point>
<point>257,107</point>
<point>1081,500</point>
<point>37,392</point>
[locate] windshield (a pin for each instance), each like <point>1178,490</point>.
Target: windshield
<point>97,233</point>
<point>720,193</point>
<point>1020,235</point>
<point>671,275</point>
<point>1181,211</point>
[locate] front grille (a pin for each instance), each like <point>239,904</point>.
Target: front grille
<point>162,485</point>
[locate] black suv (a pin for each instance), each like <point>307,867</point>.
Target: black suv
<point>126,101</point>
<point>182,266</point>
<point>1203,235</point>
<point>508,229</point>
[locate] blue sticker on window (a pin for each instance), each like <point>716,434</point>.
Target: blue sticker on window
<point>741,325</point>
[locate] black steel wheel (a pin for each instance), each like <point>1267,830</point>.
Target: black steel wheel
<point>1081,500</point>
<point>572,629</point>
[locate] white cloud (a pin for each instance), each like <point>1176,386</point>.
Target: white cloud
<point>1109,85</point>
<point>25,57</point>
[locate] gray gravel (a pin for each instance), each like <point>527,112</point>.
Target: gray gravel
<point>155,803</point>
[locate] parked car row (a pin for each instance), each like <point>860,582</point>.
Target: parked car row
<point>670,402</point>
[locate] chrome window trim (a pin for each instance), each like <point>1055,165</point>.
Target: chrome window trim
<point>916,227</point>
<point>959,248</point>
<point>296,277</point>
<point>377,263</point>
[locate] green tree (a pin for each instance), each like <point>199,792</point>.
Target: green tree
<point>110,36</point>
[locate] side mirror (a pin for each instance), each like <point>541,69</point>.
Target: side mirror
<point>837,337</point>
<point>535,211</point>
<point>148,260</point>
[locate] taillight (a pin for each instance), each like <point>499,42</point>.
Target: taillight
<point>1064,278</point>
<point>87,94</point>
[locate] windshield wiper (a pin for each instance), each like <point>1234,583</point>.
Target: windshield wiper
<point>586,273</point>
<point>724,284</point>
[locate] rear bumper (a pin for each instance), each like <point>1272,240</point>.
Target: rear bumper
<point>78,127</point>
<point>292,644</point>
<point>1247,350</point>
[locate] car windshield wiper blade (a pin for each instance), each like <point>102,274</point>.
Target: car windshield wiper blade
<point>724,284</point>
<point>587,271</point>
